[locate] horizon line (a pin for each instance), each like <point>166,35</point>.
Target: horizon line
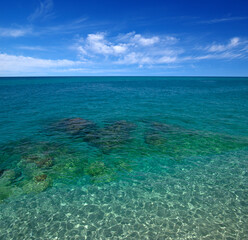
<point>98,76</point>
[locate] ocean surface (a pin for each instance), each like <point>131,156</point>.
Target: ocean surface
<point>124,158</point>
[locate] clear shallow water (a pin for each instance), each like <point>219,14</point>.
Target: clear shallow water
<point>123,158</point>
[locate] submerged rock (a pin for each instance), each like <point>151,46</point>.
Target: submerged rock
<point>96,169</point>
<point>7,187</point>
<point>69,167</point>
<point>41,160</point>
<point>100,173</point>
<point>8,176</point>
<point>38,184</point>
<point>28,147</point>
<point>155,138</point>
<point>163,127</point>
<point>5,192</point>
<point>2,171</point>
<point>112,136</point>
<point>74,126</point>
<point>40,178</point>
<point>182,143</point>
<point>42,155</point>
<point>124,165</point>
<point>17,147</point>
<point>120,126</point>
<point>171,129</point>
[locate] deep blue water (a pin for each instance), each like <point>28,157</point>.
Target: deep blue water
<point>124,158</point>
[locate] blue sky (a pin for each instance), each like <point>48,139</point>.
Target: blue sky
<point>107,37</point>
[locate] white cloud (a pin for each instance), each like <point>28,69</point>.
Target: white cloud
<point>138,39</point>
<point>120,48</point>
<point>234,42</point>
<point>43,11</point>
<point>96,43</point>
<point>130,48</point>
<point>12,64</point>
<point>14,32</point>
<point>171,39</point>
<point>145,41</point>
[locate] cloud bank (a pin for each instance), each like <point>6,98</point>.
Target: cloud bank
<point>12,64</point>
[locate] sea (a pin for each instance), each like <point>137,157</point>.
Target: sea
<point>124,158</point>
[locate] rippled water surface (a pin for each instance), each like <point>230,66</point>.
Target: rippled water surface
<point>124,158</point>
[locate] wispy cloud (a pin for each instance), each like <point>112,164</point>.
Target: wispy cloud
<point>235,48</point>
<point>220,20</point>
<point>217,56</point>
<point>143,59</point>
<point>71,27</point>
<point>12,64</point>
<point>66,28</point>
<point>15,32</point>
<point>233,42</point>
<point>32,48</point>
<point>43,12</point>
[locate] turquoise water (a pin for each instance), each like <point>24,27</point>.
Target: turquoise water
<point>124,158</point>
